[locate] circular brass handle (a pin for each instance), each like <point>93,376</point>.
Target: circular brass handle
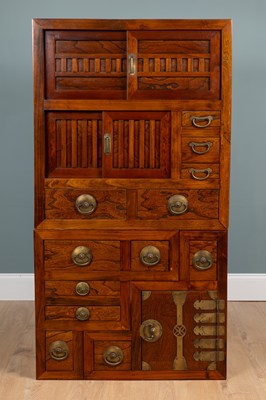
<point>82,314</point>
<point>151,330</point>
<point>86,204</point>
<point>58,350</point>
<point>150,255</point>
<point>202,260</point>
<point>82,256</point>
<point>113,355</point>
<point>206,171</point>
<point>206,145</point>
<point>207,118</point>
<point>177,204</point>
<point>82,288</point>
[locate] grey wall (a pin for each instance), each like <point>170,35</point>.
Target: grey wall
<point>248,185</point>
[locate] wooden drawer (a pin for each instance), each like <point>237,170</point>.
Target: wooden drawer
<point>202,255</point>
<point>97,256</point>
<point>89,292</point>
<point>200,172</point>
<point>77,313</point>
<point>63,355</point>
<point>102,204</point>
<point>157,204</point>
<point>200,149</point>
<point>201,119</point>
<point>150,255</point>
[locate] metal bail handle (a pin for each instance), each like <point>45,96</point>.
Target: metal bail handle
<point>58,350</point>
<point>208,118</point>
<point>113,356</point>
<point>202,260</point>
<point>150,255</point>
<point>86,204</point>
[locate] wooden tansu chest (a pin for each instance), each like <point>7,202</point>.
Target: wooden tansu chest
<point>132,141</point>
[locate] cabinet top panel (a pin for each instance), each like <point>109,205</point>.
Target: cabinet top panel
<point>129,24</point>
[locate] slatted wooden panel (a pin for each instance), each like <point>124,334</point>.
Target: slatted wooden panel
<point>140,144</point>
<point>74,144</point>
<point>181,64</point>
<point>75,59</point>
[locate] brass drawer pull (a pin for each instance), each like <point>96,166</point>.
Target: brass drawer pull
<point>81,256</point>
<point>202,260</point>
<point>194,146</point>
<point>151,330</point>
<point>177,204</point>
<point>58,350</point>
<point>86,204</point>
<point>82,288</point>
<point>150,255</point>
<point>107,144</point>
<point>132,64</point>
<point>82,314</point>
<point>113,356</point>
<point>195,119</point>
<point>206,171</point>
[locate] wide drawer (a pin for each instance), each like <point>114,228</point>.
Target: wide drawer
<point>85,313</point>
<point>200,149</point>
<point>179,204</point>
<point>201,119</point>
<point>81,255</point>
<point>91,204</point>
<point>84,291</point>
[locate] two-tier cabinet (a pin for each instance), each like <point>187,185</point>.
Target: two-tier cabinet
<point>132,141</point>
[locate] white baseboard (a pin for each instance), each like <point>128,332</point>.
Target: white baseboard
<point>241,287</point>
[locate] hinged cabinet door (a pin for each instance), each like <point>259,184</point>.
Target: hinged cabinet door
<point>136,144</point>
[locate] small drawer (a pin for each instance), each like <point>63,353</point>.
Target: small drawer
<point>178,205</point>
<point>80,255</point>
<point>92,292</point>
<point>200,149</point>
<point>80,204</point>
<point>150,255</point>
<point>82,314</point>
<point>200,172</point>
<point>201,119</point>
<point>201,255</point>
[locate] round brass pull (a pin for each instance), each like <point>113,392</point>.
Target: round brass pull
<point>82,288</point>
<point>82,256</point>
<point>58,350</point>
<point>177,204</point>
<point>151,330</point>
<point>206,171</point>
<point>113,356</point>
<point>150,255</point>
<point>202,260</point>
<point>82,314</point>
<point>206,145</point>
<point>195,119</point>
<point>86,204</point>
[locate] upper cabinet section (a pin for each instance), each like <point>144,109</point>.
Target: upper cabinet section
<point>146,64</point>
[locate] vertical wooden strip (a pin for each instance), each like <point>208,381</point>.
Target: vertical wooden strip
<point>125,305</point>
<point>97,65</point>
<point>175,145</point>
<point>189,64</point>
<point>125,255</point>
<point>201,65</point>
<point>89,355</point>
<point>86,64</point>
<point>157,65</point>
<point>89,142</point>
<point>157,144</point>
<point>120,143</point>
<point>63,65</point>
<point>79,143</point>
<point>152,143</point>
<point>131,144</point>
<point>179,65</point>
<point>168,65</point>
<point>108,65</point>
<point>136,322</point>
<point>115,144</point>
<point>63,143</point>
<point>132,79</point>
<point>141,143</point>
<point>136,144</point>
<point>74,65</point>
<point>146,65</point>
<point>84,156</point>
<point>68,144</point>
<point>58,143</point>
<point>147,144</point>
<point>118,65</point>
<point>94,144</point>
<point>74,143</point>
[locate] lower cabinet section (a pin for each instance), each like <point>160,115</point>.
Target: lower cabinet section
<point>174,334</point>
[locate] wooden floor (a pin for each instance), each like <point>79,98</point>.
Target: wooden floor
<point>246,364</point>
